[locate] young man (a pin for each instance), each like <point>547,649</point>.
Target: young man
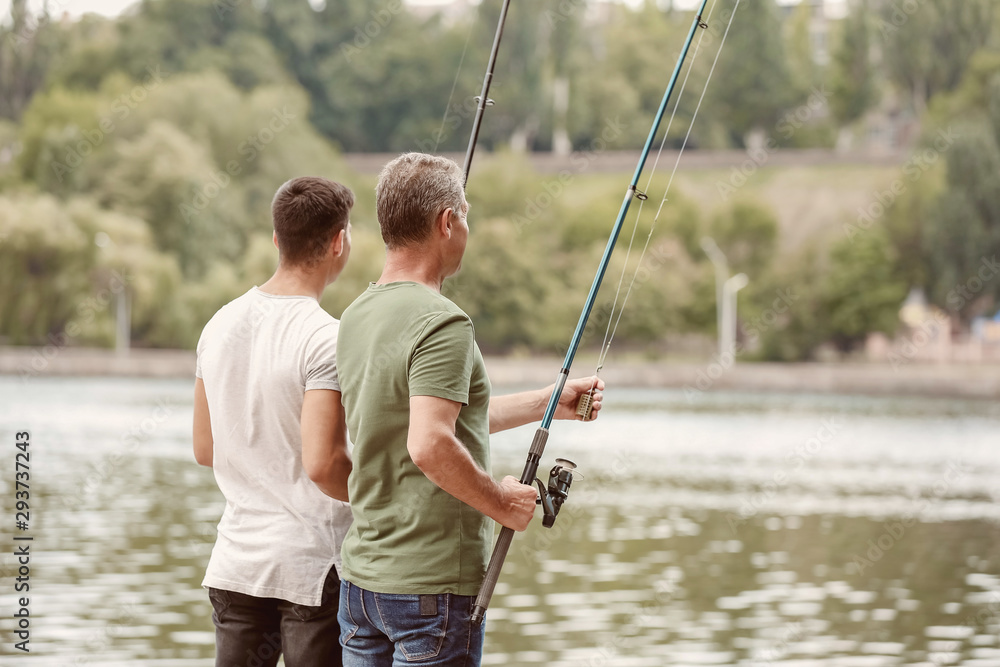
<point>268,419</point>
<point>419,412</point>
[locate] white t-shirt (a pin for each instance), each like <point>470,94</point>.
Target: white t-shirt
<point>279,534</point>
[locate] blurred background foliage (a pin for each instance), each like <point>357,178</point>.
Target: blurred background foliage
<point>148,147</point>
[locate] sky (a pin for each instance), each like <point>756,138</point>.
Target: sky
<point>115,7</point>
<point>73,7</point>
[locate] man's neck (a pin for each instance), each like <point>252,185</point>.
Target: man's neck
<point>295,281</point>
<point>412,265</point>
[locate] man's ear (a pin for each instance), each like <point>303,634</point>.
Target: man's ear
<point>337,244</point>
<point>444,221</point>
<point>274,240</point>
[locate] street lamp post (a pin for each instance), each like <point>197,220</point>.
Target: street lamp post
<point>721,265</point>
<point>727,335</point>
<point>123,322</point>
<point>123,305</point>
<point>726,288</point>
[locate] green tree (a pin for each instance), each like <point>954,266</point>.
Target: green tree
<point>193,155</point>
<point>58,128</point>
<point>960,220</point>
<point>27,45</point>
<point>499,287</point>
<point>665,290</point>
<point>747,233</point>
<point>62,265</point>
<point>906,221</point>
<point>378,77</point>
<point>160,177</point>
<point>795,333</point>
<point>619,78</point>
<point>805,72</point>
<point>971,100</point>
<point>852,87</point>
<point>126,259</point>
<point>863,290</point>
<point>963,227</point>
<point>753,85</point>
<point>927,45</point>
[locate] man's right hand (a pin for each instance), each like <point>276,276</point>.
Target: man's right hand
<point>519,501</point>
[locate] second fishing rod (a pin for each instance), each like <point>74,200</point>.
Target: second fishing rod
<point>484,100</point>
<point>528,475</point>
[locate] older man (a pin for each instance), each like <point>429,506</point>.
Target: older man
<point>419,411</point>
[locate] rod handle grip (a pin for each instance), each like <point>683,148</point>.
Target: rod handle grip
<point>492,575</point>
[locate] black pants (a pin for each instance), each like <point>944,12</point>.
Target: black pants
<point>253,632</point>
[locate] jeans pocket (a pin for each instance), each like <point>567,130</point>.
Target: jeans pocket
<point>220,602</point>
<point>409,624</point>
<point>348,628</point>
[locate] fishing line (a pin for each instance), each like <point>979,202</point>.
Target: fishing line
<point>451,95</point>
<point>561,475</point>
<point>612,330</point>
<point>609,332</point>
<point>649,181</point>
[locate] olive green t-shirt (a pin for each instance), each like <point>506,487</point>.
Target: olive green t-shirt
<point>396,341</point>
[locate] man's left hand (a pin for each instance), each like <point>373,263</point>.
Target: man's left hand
<point>571,394</point>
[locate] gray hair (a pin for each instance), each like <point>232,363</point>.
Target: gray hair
<point>412,190</point>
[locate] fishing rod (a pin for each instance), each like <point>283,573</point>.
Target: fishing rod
<point>484,96</point>
<point>561,475</point>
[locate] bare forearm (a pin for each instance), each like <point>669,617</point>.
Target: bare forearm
<point>513,410</point>
<point>204,444</point>
<point>332,479</point>
<point>325,455</point>
<point>204,456</point>
<point>449,465</point>
<point>441,456</point>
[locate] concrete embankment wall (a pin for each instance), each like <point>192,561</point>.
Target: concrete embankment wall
<point>962,380</point>
<point>30,362</point>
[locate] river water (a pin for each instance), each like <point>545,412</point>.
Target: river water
<point>719,529</point>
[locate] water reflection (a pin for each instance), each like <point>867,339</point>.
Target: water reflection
<point>744,529</point>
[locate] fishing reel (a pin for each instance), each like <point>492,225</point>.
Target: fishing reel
<point>552,498</point>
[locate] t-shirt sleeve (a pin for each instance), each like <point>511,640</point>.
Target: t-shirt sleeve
<point>443,359</point>
<point>321,360</point>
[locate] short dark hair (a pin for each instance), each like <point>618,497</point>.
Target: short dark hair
<point>307,213</point>
<point>412,190</point>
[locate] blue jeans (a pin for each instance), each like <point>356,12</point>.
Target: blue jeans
<point>387,630</point>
